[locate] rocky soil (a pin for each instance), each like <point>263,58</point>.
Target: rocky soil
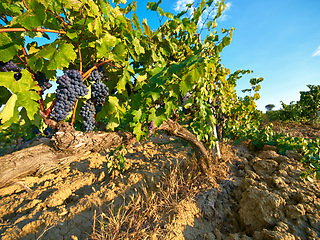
<point>252,195</point>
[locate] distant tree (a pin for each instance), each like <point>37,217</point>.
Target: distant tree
<point>269,107</point>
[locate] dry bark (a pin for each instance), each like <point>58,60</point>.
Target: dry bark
<point>177,130</point>
<point>65,146</point>
<point>68,145</point>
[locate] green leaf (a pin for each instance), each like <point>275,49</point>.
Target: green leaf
<point>59,53</point>
<point>137,131</point>
<point>136,115</point>
<point>157,116</point>
<point>4,95</point>
<point>114,122</point>
<point>137,47</point>
<point>136,23</point>
<point>119,52</point>
<point>25,89</point>
<point>113,104</point>
<point>146,28</point>
<point>34,17</point>
<point>7,111</point>
<point>121,86</point>
<point>105,44</point>
<point>95,27</point>
<point>8,47</point>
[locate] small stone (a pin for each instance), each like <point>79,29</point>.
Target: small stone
<point>294,154</point>
<point>268,154</point>
<point>269,147</point>
<point>209,236</point>
<point>295,211</point>
<point>264,166</point>
<point>234,236</point>
<point>275,235</point>
<point>217,233</point>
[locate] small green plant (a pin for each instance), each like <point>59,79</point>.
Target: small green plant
<point>116,161</point>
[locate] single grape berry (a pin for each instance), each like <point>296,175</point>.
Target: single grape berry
<point>87,112</point>
<point>10,66</point>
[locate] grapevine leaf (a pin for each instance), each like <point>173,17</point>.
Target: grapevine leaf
<point>4,95</point>
<point>113,104</point>
<point>34,16</point>
<point>119,52</point>
<point>136,23</point>
<point>8,110</point>
<point>186,84</point>
<point>59,56</point>
<point>137,115</point>
<point>121,86</point>
<point>8,47</point>
<point>146,28</point>
<point>139,49</point>
<point>25,89</point>
<point>137,131</point>
<point>114,122</point>
<point>105,44</point>
<point>95,27</point>
<point>157,116</point>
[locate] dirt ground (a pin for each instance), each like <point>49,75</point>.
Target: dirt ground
<point>247,195</point>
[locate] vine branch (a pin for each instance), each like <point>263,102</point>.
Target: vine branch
<point>32,30</point>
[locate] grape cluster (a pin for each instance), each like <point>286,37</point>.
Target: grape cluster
<point>151,128</point>
<point>43,81</point>
<point>186,98</point>
<point>87,112</point>
<point>69,90</point>
<point>96,74</point>
<point>99,91</point>
<point>10,66</point>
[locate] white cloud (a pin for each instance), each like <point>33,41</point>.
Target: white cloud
<point>208,14</point>
<point>181,5</point>
<point>317,52</point>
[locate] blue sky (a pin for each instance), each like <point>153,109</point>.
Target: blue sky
<point>278,39</point>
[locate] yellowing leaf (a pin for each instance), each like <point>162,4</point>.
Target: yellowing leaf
<point>8,110</point>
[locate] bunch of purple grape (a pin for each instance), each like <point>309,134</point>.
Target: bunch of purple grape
<point>99,92</point>
<point>151,128</point>
<point>43,81</point>
<point>87,112</point>
<point>96,74</point>
<point>10,66</point>
<point>69,90</point>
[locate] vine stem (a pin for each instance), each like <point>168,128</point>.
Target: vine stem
<point>58,17</point>
<point>33,30</point>
<point>74,113</point>
<point>80,58</point>
<point>48,111</point>
<point>87,73</point>
<point>25,4</point>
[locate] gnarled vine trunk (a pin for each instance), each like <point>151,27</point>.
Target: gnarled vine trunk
<point>68,145</point>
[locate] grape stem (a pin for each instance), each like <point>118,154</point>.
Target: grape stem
<point>87,73</point>
<point>48,111</point>
<point>25,5</point>
<point>74,113</point>
<point>32,30</point>
<point>80,58</point>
